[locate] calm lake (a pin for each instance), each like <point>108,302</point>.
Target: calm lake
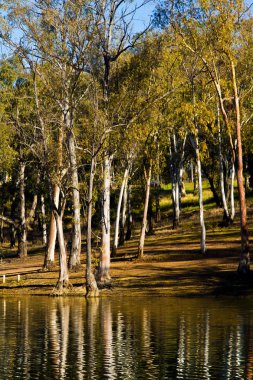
<point>126,338</point>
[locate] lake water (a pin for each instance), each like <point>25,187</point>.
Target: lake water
<point>126,338</point>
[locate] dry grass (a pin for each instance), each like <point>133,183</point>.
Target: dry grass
<point>172,264</point>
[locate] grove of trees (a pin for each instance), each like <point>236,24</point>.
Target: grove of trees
<point>93,108</point>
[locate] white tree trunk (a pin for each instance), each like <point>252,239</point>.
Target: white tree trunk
<point>63,280</point>
<point>223,195</point>
<point>201,208</point>
<point>116,235</point>
<point>74,259</point>
<point>123,215</point>
<point>91,284</point>
<point>145,212</point>
<point>50,255</point>
<point>104,265</point>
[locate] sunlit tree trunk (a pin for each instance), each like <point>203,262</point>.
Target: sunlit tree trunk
<point>63,280</point>
<point>104,265</point>
<point>116,233</point>
<point>199,171</point>
<point>74,260</point>
<point>223,195</point>
<point>50,254</point>
<point>244,263</point>
<point>91,284</point>
<point>147,174</point>
<point>123,215</point>
<point>201,207</point>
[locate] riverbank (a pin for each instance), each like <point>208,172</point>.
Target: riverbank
<point>172,266</point>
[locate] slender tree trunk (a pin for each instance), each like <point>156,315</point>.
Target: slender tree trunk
<point>44,225</point>
<point>129,214</point>
<point>74,259</point>
<point>244,262</point>
<point>91,284</point>
<point>182,185</point>
<point>63,280</point>
<point>177,175</point>
<point>116,234</point>
<point>147,173</point>
<point>50,254</point>
<point>226,217</point>
<point>201,208</point>
<point>104,265</point>
<point>197,152</point>
<point>123,215</point>
<point>22,231</point>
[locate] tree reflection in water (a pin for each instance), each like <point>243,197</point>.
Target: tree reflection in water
<point>157,338</point>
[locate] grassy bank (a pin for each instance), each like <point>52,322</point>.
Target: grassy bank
<point>172,264</point>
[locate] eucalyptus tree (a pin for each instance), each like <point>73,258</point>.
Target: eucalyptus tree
<point>211,30</point>
<point>113,22</point>
<point>18,116</point>
<point>56,33</point>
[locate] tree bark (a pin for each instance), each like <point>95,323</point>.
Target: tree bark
<point>226,216</point>
<point>147,173</point>
<point>197,152</point>
<point>74,259</point>
<point>103,277</point>
<point>116,234</point>
<point>50,254</point>
<point>201,208</point>
<point>22,230</point>
<point>244,262</point>
<point>91,284</point>
<point>123,215</point>
<point>63,280</point>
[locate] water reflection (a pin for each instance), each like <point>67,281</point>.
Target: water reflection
<point>44,338</point>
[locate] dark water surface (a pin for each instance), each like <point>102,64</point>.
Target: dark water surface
<point>131,338</point>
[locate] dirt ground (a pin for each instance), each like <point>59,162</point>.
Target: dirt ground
<point>172,265</point>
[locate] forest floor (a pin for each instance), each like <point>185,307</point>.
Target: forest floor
<point>172,264</point>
